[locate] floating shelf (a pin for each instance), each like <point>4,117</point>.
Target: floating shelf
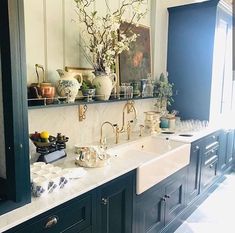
<point>79,102</point>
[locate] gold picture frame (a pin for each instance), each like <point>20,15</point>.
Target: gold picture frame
<point>87,73</point>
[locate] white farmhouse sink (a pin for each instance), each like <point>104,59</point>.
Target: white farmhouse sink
<point>158,158</point>
<point>163,165</point>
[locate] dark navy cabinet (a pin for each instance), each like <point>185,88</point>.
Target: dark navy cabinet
<point>196,58</point>
<point>226,150</point>
<point>194,171</point>
<point>106,209</point>
<point>149,211</point>
<point>158,206</point>
<point>204,166</point>
<point>210,160</point>
<point>175,196</point>
<point>114,206</point>
<point>15,183</point>
<point>74,216</point>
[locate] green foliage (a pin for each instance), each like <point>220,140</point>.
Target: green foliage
<point>87,85</point>
<point>164,89</point>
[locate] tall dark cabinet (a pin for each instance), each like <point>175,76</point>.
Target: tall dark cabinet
<point>199,60</point>
<point>15,186</point>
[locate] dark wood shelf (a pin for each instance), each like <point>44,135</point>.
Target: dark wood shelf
<point>82,102</point>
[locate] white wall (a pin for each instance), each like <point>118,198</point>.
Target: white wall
<point>66,121</point>
<point>52,35</point>
<point>52,40</point>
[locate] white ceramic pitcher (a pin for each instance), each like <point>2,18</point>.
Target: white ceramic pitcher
<point>69,84</point>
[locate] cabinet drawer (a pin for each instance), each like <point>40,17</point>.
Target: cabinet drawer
<point>214,152</point>
<point>209,171</point>
<point>211,142</point>
<point>77,215</point>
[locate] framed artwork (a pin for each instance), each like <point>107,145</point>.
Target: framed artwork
<point>87,73</point>
<point>135,64</point>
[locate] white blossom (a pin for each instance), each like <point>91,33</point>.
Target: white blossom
<point>103,41</point>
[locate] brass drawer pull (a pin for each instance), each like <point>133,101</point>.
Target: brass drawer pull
<point>52,221</point>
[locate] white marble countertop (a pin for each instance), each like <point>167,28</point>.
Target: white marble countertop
<point>93,178</point>
<point>195,135</point>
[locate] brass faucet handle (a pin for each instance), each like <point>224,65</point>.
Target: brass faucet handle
<point>129,130</point>
<point>141,130</point>
<point>103,143</point>
<point>117,131</point>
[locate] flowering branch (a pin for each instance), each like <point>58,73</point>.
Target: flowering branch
<point>105,39</point>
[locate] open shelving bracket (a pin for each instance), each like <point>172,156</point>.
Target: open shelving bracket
<point>82,109</point>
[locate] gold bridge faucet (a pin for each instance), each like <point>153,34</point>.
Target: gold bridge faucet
<point>115,130</point>
<point>128,108</point>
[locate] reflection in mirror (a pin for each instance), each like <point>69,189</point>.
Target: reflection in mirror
<point>2,141</point>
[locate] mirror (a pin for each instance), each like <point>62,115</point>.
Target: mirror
<point>53,37</point>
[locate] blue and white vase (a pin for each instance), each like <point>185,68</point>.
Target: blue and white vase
<point>68,84</point>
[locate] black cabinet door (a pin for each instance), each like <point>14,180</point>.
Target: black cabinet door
<point>114,210</point>
<point>193,177</point>
<point>150,211</point>
<point>175,196</point>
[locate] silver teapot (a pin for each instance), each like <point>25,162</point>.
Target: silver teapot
<point>91,156</point>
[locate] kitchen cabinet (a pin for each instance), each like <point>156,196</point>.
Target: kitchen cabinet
<point>106,209</point>
<point>114,206</point>
<point>158,206</point>
<point>226,150</point>
<point>15,183</point>
<point>210,161</point>
<point>72,217</point>
<point>149,212</point>
<point>194,171</point>
<point>203,168</point>
<point>199,60</point>
<point>233,145</point>
<point>229,151</point>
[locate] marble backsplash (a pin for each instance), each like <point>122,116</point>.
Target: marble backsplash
<point>66,120</point>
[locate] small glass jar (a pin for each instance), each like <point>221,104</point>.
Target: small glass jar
<point>129,91</point>
<point>123,91</point>
<point>143,83</point>
<point>136,89</point>
<point>149,89</point>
